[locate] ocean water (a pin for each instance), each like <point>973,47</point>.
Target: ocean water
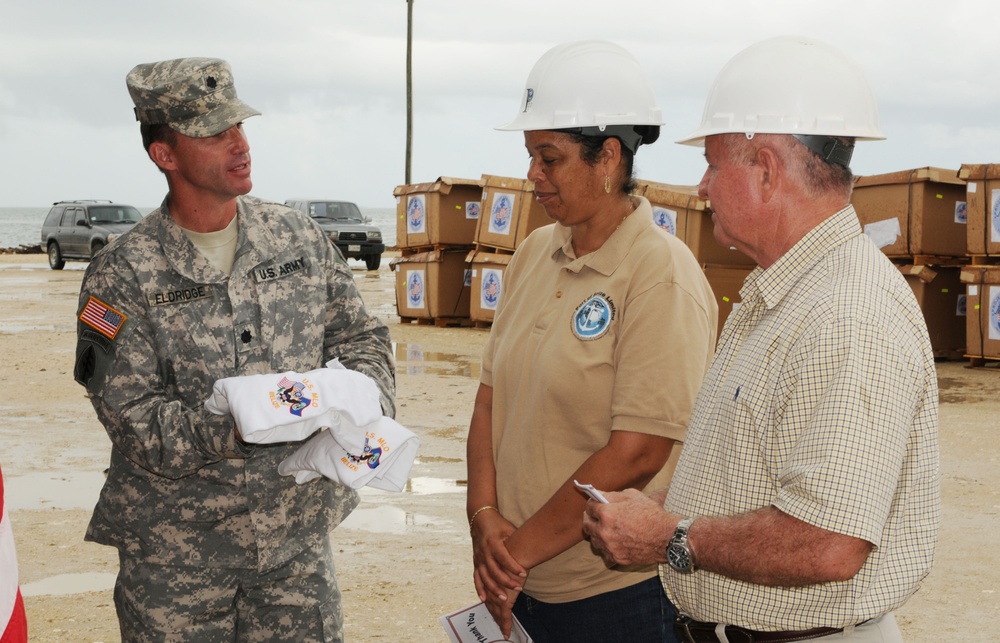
<point>23,226</point>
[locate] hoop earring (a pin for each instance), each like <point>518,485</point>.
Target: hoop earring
<point>607,184</point>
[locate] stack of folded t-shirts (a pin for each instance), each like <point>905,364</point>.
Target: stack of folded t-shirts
<point>356,446</point>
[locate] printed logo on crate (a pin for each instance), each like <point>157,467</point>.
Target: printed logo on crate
<point>961,212</point>
<point>994,312</point>
<point>472,209</point>
<point>415,289</point>
<point>666,219</point>
<point>995,232</point>
<point>501,213</point>
<point>416,214</point>
<point>593,317</point>
<point>489,294</point>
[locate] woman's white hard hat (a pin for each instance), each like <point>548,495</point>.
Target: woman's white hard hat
<point>591,84</point>
<point>790,85</point>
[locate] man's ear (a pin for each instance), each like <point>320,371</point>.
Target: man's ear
<point>769,169</point>
<point>162,154</point>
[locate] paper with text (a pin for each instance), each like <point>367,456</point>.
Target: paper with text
<point>475,624</point>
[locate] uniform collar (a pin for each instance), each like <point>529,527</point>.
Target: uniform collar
<point>255,245</point>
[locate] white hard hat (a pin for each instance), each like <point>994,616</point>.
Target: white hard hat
<point>791,85</point>
<point>591,84</point>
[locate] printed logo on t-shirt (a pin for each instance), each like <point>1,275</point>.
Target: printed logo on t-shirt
<point>593,317</point>
<point>293,394</point>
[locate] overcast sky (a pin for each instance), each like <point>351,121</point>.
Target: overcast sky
<point>329,77</point>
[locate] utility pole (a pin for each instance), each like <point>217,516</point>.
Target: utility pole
<point>409,87</point>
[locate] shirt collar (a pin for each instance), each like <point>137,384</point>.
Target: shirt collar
<point>775,282</point>
<point>606,259</point>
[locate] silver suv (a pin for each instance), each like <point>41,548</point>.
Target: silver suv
<point>77,230</point>
<point>347,228</point>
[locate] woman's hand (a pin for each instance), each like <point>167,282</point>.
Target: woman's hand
<point>497,575</point>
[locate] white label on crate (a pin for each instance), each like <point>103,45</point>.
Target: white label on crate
<point>960,303</point>
<point>501,212</point>
<point>489,293</point>
<point>994,312</point>
<point>961,212</point>
<point>971,188</point>
<point>884,233</point>
<point>415,289</point>
<point>995,217</point>
<point>472,209</point>
<point>666,219</point>
<point>973,290</point>
<point>416,214</point>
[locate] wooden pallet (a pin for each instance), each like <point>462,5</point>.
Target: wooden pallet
<point>439,322</point>
<point>984,260</point>
<point>980,361</point>
<point>930,260</point>
<point>415,250</point>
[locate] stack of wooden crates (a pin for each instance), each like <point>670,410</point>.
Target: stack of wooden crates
<point>456,237</point>
<point>933,224</point>
<point>982,274</point>
<point>435,228</point>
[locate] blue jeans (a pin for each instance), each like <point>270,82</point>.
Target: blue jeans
<point>639,613</point>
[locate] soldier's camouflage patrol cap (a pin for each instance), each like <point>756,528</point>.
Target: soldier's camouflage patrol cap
<point>194,96</point>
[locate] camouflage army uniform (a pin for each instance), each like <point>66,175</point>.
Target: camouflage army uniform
<point>158,326</point>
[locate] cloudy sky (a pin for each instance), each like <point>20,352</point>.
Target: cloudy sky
<point>329,77</point>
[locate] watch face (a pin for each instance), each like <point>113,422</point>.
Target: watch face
<point>678,558</point>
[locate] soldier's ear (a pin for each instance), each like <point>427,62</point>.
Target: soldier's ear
<point>163,155</point>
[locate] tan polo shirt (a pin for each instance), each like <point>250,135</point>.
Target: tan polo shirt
<point>618,339</point>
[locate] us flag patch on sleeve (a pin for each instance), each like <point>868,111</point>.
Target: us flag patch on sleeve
<point>102,318</point>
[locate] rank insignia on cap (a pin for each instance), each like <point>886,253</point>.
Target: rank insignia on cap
<point>102,318</point>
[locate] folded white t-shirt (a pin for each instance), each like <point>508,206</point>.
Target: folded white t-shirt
<point>290,406</point>
<point>383,460</point>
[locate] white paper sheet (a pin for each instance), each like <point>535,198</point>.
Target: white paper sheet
<point>475,624</point>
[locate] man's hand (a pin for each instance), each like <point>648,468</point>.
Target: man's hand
<point>631,529</point>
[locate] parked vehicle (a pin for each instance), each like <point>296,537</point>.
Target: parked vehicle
<point>348,229</point>
<point>78,230</point>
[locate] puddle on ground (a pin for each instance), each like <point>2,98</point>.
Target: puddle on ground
<point>70,584</point>
<point>424,486</point>
<point>41,266</point>
<point>75,490</point>
<point>414,360</point>
<point>385,520</point>
<point>11,329</point>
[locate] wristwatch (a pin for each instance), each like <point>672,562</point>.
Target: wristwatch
<point>679,554</point>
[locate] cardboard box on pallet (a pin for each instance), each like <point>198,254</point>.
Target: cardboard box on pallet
<point>692,222</point>
<point>444,212</point>
<point>982,193</point>
<point>982,322</point>
<point>509,212</point>
<point>941,296</point>
<point>486,279</point>
<point>913,212</point>
<point>432,285</point>
<point>726,282</point>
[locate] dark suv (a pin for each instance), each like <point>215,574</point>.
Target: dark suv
<point>77,230</point>
<point>347,228</point>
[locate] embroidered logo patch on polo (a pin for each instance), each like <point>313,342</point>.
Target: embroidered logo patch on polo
<point>593,317</point>
<point>102,318</point>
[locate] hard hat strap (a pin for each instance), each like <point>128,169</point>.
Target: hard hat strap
<point>627,134</point>
<point>830,149</point>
